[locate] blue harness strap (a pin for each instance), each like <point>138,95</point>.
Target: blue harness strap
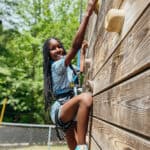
<point>62,91</point>
<point>64,94</point>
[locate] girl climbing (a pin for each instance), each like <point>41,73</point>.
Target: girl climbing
<point>68,111</point>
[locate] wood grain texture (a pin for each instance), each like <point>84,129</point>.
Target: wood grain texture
<point>107,42</point>
<point>94,145</point>
<point>95,26</point>
<point>127,105</point>
<point>130,57</point>
<point>112,138</point>
<point>121,76</point>
<point>117,3</point>
<point>94,29</point>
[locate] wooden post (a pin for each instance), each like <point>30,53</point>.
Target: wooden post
<point>3,109</point>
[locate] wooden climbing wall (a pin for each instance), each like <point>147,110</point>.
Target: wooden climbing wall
<point>120,72</point>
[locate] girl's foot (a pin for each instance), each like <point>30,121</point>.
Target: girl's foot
<point>81,147</point>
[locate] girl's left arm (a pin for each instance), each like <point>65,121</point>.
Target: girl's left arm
<point>79,37</point>
<point>82,55</point>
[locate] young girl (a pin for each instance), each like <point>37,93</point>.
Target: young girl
<point>69,112</point>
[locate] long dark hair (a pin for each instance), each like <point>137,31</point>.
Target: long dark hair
<point>48,92</point>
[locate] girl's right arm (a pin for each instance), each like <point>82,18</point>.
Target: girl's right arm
<point>77,42</point>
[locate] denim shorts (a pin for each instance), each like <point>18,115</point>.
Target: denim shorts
<point>54,107</point>
<point>55,112</point>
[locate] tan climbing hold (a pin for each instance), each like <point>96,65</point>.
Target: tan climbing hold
<point>88,62</point>
<point>114,20</point>
<point>97,6</point>
<point>90,85</point>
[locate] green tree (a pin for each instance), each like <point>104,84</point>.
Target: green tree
<point>21,75</point>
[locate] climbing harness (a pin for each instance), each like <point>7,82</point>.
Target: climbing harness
<point>72,91</point>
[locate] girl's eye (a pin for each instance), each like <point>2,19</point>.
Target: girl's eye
<point>54,48</point>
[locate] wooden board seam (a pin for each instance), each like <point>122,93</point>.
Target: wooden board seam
<point>128,77</point>
<point>127,104</point>
<point>111,138</point>
<point>96,142</point>
<point>144,137</point>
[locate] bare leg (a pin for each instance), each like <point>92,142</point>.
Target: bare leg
<point>79,105</point>
<point>71,137</point>
<point>82,125</point>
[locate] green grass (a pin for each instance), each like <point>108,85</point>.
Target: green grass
<point>64,147</point>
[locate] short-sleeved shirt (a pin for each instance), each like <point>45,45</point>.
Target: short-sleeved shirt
<point>62,76</point>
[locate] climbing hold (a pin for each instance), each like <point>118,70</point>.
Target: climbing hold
<point>97,6</point>
<point>114,20</point>
<point>88,62</point>
<point>90,85</point>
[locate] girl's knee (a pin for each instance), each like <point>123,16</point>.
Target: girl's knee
<point>87,99</point>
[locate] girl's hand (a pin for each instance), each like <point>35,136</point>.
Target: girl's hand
<point>91,6</point>
<point>79,37</point>
<point>84,47</point>
<point>82,57</point>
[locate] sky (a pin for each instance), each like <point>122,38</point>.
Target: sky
<point>10,19</point>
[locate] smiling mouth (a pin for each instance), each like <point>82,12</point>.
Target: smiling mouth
<point>58,56</point>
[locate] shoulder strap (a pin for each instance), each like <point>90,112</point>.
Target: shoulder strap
<point>71,67</point>
<point>76,79</point>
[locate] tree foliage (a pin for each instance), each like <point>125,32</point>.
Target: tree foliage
<point>21,41</point>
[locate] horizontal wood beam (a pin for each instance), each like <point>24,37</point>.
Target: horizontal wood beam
<point>109,137</point>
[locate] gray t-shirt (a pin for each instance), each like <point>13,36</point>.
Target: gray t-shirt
<point>62,76</point>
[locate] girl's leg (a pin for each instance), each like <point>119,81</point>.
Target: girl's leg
<point>79,105</point>
<point>71,137</point>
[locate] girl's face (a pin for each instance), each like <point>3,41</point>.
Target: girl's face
<point>56,52</point>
